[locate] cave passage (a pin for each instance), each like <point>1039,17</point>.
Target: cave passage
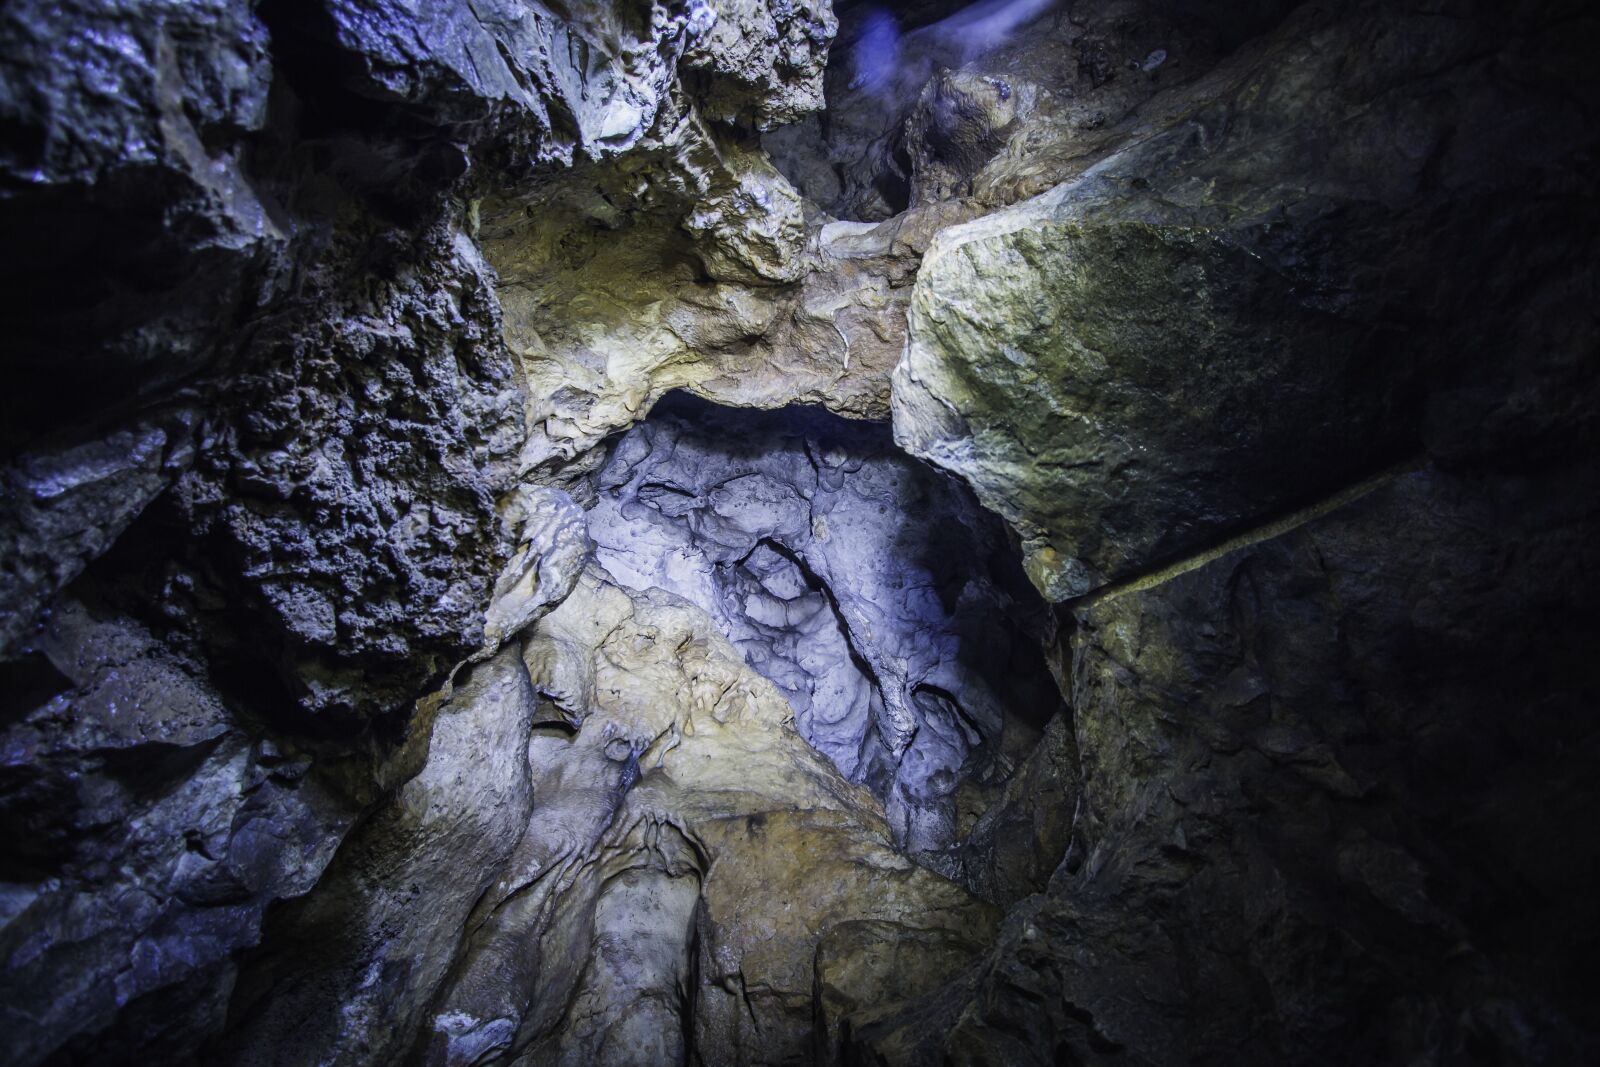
<point>884,602</point>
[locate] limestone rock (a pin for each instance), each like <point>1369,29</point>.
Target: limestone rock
<point>1261,790</point>
<point>133,235</point>
<point>64,506</point>
<point>1148,406</point>
<point>1179,350</point>
<point>876,594</point>
<point>122,178</point>
<point>350,484</point>
<point>785,850</point>
<point>514,64</point>
<point>327,319</point>
<point>989,102</point>
<point>553,549</point>
<point>148,830</point>
<point>607,311</point>
<point>763,59</point>
<point>350,967</point>
<point>640,907</point>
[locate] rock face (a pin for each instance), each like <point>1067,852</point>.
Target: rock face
<point>718,533</point>
<point>656,859</point>
<point>148,829</point>
<point>351,490</point>
<point>874,592</point>
<point>1240,309</point>
<point>1308,859</point>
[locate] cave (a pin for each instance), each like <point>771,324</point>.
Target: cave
<point>752,533</point>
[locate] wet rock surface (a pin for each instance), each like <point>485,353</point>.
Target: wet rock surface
<point>399,668</point>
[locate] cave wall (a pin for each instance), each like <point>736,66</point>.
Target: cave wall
<point>401,669</point>
<point>874,591</point>
<point>263,445</point>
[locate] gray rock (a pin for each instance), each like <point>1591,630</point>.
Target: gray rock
<point>348,970</point>
<point>1296,799</point>
<point>874,593</point>
<point>122,179</point>
<point>148,832</point>
<point>327,319</point>
<point>350,482</point>
<point>63,507</point>
<point>1193,334</point>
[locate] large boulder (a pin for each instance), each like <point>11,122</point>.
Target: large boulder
<point>1242,307</point>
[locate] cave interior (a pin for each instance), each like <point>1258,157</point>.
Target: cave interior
<point>777,532</point>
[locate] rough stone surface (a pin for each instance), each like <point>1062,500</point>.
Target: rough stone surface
<point>147,830</point>
<point>872,590</point>
<point>333,327</point>
<point>1241,308</point>
<point>655,856</point>
<point>122,182</point>
<point>350,492</point>
<point>1304,834</point>
<point>243,233</point>
<point>348,969</point>
<point>692,267</point>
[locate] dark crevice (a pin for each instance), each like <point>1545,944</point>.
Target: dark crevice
<point>815,582</point>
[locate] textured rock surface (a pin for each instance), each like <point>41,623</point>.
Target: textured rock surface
<point>1241,308</point>
<point>654,856</point>
<point>1305,834</point>
<point>349,496</point>
<point>873,591</point>
<point>328,319</point>
<point>689,267</point>
<point>349,966</point>
<point>124,184</point>
<point>147,829</point>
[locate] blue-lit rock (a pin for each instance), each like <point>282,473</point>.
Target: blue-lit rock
<point>883,601</point>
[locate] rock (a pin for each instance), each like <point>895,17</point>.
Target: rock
<point>1180,350</point>
<point>553,550</point>
<point>878,597</point>
<point>65,506</point>
<point>762,60</point>
<point>1283,761</point>
<point>1269,333</point>
<point>613,786</point>
<point>874,965</point>
<point>923,108</point>
<point>149,832</point>
<point>589,84</point>
<point>134,238</point>
<point>349,968</point>
<point>960,122</point>
<point>1147,406</point>
<point>350,484</point>
<point>122,183</point>
<point>784,849</point>
<point>692,267</point>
